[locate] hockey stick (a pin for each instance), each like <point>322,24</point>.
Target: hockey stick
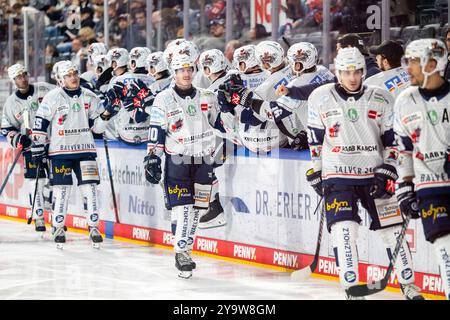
<point>380,285</point>
<point>10,171</point>
<point>304,273</point>
<point>111,182</point>
<point>34,195</point>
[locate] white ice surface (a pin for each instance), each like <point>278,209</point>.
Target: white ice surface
<point>32,268</point>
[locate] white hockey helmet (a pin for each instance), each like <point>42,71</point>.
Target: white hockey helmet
<point>213,59</point>
<point>247,55</point>
<point>16,70</point>
<point>64,68</point>
<point>304,53</point>
<point>181,61</point>
<point>55,75</point>
<point>157,61</point>
<point>96,49</point>
<point>181,46</point>
<point>426,49</point>
<point>100,63</point>
<point>349,59</point>
<point>138,57</point>
<point>270,53</point>
<point>118,55</point>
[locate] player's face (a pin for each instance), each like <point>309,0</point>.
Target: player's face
<point>415,71</point>
<point>242,66</point>
<point>22,81</point>
<point>72,80</point>
<point>184,77</point>
<point>351,80</point>
<point>379,58</point>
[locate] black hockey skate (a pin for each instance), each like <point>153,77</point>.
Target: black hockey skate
<point>411,292</point>
<point>39,225</point>
<point>193,264</point>
<point>95,236</point>
<point>183,263</point>
<point>214,217</point>
<point>59,236</point>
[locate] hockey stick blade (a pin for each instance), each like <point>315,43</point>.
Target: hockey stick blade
<point>304,273</point>
<point>380,285</point>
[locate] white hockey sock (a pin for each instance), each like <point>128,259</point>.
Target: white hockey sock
<point>193,223</point>
<point>344,235</point>
<point>442,253</point>
<point>182,231</point>
<point>61,194</point>
<point>39,202</point>
<point>403,264</point>
<point>89,192</point>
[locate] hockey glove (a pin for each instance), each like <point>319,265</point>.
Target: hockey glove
<point>300,142</point>
<point>407,200</point>
<point>39,154</point>
<point>139,96</point>
<point>447,162</point>
<point>384,182</point>
<point>238,93</point>
<point>315,180</point>
<point>152,166</point>
<point>225,103</point>
<point>21,141</point>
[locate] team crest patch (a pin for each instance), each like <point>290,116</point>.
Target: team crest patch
<point>76,107</point>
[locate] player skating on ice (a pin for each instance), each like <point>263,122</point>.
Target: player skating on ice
<point>422,129</point>
<point>64,120</point>
<point>182,119</point>
<point>351,142</point>
<point>19,112</point>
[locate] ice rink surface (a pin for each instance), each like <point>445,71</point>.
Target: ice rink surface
<point>32,268</point>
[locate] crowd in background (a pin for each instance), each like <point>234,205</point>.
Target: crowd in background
<point>66,37</point>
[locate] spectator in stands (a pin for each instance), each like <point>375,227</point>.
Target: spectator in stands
<point>447,67</point>
<point>139,28</point>
<point>98,19</point>
<point>217,28</point>
<point>257,32</point>
<point>87,17</point>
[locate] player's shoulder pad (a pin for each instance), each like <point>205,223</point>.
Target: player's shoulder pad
<point>164,98</point>
<point>406,98</point>
<point>378,95</point>
<point>44,86</point>
<point>88,93</point>
<point>322,91</point>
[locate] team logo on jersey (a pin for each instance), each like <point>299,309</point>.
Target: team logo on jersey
<point>62,119</point>
<point>34,106</point>
<point>372,114</point>
<point>352,114</point>
<point>76,107</point>
<point>412,118</point>
<point>191,110</point>
<point>334,130</point>
<point>433,116</point>
<point>174,127</point>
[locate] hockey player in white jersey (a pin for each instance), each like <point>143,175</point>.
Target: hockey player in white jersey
<point>351,143</point>
<point>248,66</point>
<point>422,129</point>
<point>182,119</point>
<point>95,49</point>
<point>394,78</point>
<point>19,112</point>
<point>214,66</point>
<point>123,116</point>
<point>64,120</point>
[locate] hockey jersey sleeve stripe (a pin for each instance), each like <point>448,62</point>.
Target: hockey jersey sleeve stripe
<point>7,130</point>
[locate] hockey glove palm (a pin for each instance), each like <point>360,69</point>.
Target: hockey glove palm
<point>152,165</point>
<point>407,200</point>
<point>315,181</point>
<point>384,182</point>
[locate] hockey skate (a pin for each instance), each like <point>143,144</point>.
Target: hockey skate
<point>193,264</point>
<point>39,225</point>
<point>95,237</point>
<point>183,263</point>
<point>411,292</point>
<point>349,297</point>
<point>59,236</point>
<point>214,217</point>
